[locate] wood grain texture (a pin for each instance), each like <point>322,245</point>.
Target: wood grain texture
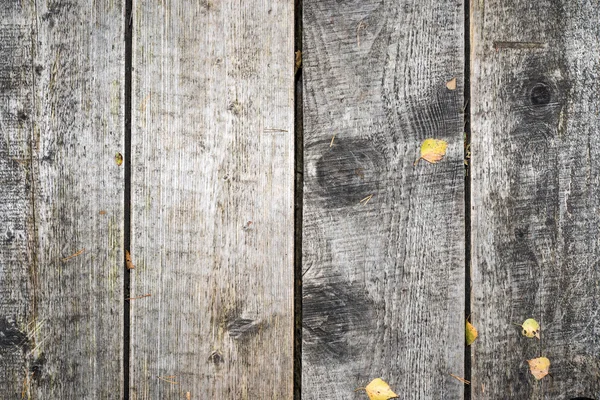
<point>213,178</point>
<point>61,119</point>
<point>536,205</point>
<point>383,288</point>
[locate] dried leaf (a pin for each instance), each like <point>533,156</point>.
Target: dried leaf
<point>128,261</point>
<point>297,61</point>
<point>451,84</point>
<point>433,150</point>
<point>470,333</point>
<point>539,367</point>
<point>378,389</point>
<point>531,328</point>
<point>119,159</point>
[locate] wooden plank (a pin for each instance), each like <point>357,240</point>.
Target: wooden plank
<point>212,200</point>
<point>535,99</point>
<point>383,287</point>
<point>61,207</point>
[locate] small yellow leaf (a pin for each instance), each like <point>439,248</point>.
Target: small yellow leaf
<point>378,389</point>
<point>119,159</point>
<point>433,150</point>
<point>470,333</point>
<point>539,367</point>
<point>531,328</point>
<point>451,84</point>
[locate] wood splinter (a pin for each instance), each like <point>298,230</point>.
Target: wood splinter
<point>363,26</point>
<point>275,130</point>
<point>169,379</point>
<point>463,380</point>
<point>139,297</point>
<point>80,252</point>
<point>366,200</point>
<point>520,45</point>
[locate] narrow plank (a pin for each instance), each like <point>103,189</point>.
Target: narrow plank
<point>535,99</point>
<point>16,78</point>
<point>383,287</point>
<point>212,200</point>
<point>61,208</point>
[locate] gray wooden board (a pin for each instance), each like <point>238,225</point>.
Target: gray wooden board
<point>383,288</point>
<point>212,200</point>
<point>536,173</point>
<point>61,120</point>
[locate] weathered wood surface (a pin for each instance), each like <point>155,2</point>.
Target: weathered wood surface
<point>212,200</point>
<point>383,287</point>
<point>536,173</point>
<point>61,119</point>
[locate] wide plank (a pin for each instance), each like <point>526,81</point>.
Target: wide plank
<point>61,199</point>
<point>535,198</point>
<point>212,200</point>
<point>383,239</point>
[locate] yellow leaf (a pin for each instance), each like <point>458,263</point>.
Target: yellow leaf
<point>539,367</point>
<point>433,150</point>
<point>531,328</point>
<point>378,389</point>
<point>470,333</point>
<point>451,84</point>
<point>119,159</point>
